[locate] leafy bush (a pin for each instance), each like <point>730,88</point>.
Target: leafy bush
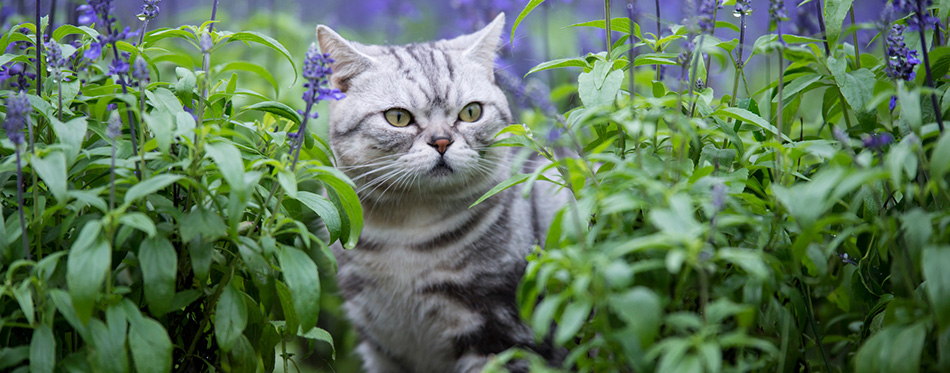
<point>152,214</point>
<point>164,221</point>
<point>723,233</point>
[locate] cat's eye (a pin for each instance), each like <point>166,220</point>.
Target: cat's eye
<point>471,112</point>
<point>398,117</point>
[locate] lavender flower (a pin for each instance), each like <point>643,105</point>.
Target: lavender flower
<point>743,7</point>
<point>878,141</point>
<point>114,128</point>
<point>205,43</point>
<point>900,59</point>
<point>55,61</point>
<point>707,16</point>
<point>893,103</point>
<point>100,12</point>
<point>845,258</point>
<point>149,10</point>
<point>777,14</point>
<point>140,71</point>
<point>920,16</point>
<point>718,197</point>
<point>18,111</point>
<point>316,70</point>
<point>16,72</point>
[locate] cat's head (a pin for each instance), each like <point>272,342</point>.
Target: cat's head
<point>419,118</point>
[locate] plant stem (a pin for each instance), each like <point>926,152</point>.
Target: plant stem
<point>142,131</point>
<point>39,52</point>
<point>692,78</point>
<point>112,179</point>
<point>708,57</point>
<point>821,25</point>
<point>632,53</point>
<point>857,50</point>
<point>125,91</point>
<point>659,31</point>
<point>19,199</point>
<point>610,43</point>
<point>930,79</point>
<point>740,62</point>
<point>214,14</point>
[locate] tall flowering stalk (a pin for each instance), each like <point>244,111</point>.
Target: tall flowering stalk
<point>54,66</point>
<point>18,114</point>
<point>742,10</point>
<point>921,20</point>
<point>777,14</point>
<point>150,10</point>
<point>141,75</point>
<point>316,70</point>
<point>706,20</point>
<point>96,11</point>
<point>113,131</point>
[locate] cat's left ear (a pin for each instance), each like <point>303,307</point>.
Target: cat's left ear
<point>348,60</point>
<point>482,45</point>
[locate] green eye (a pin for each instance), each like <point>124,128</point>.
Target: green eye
<point>398,117</point>
<point>471,112</point>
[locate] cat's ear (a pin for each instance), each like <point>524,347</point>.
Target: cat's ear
<point>348,61</point>
<point>482,45</point>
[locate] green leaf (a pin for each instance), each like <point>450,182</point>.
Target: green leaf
<point>288,181</point>
<point>574,316</point>
<point>325,209</point>
<point>149,186</point>
<point>42,350</point>
<point>88,263</point>
<point>138,221</point>
<point>23,294</point>
<point>161,124</point>
<point>748,117</point>
<point>856,86</point>
<point>340,187</point>
<point>52,169</point>
<point>71,135</point>
<point>185,86</point>
<point>277,108</point>
<point>512,181</point>
<point>895,348</point>
<point>618,24</point>
<point>68,29</point>
<point>201,222</point>
<point>228,159</point>
<point>108,343</point>
<point>318,334</point>
<point>13,356</point>
<point>253,68</point>
<point>151,347</point>
<point>935,262</point>
<point>940,159</point>
<point>544,314</point>
<point>560,63</point>
<point>835,11</point>
<point>599,86</point>
<point>230,317</point>
<point>524,13</point>
<point>267,41</point>
<point>165,100</point>
<point>303,280</point>
<point>159,264</point>
<point>287,306</point>
<point>646,320</point>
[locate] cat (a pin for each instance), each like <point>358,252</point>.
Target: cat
<point>430,286</point>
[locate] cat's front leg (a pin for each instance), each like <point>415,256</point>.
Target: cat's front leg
<point>474,362</point>
<point>376,361</point>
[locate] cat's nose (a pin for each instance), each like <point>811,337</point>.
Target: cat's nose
<point>440,143</point>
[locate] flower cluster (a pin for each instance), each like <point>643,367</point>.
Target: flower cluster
<point>877,141</point>
<point>100,12</point>
<point>16,72</point>
<point>707,16</point>
<point>18,111</point>
<point>316,70</point>
<point>900,59</point>
<point>777,14</point>
<point>743,7</point>
<point>55,61</point>
<point>920,15</point>
<point>114,128</point>
<point>140,71</point>
<point>149,10</point>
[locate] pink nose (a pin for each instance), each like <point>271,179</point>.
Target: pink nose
<point>441,145</point>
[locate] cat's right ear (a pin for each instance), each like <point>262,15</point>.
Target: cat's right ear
<point>348,61</point>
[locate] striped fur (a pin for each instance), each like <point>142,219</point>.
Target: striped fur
<point>431,284</point>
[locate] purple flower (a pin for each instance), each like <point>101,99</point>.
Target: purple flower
<point>878,141</point>
<point>919,16</point>
<point>149,10</point>
<point>707,16</point>
<point>205,43</point>
<point>18,111</point>
<point>900,59</point>
<point>118,67</point>
<point>54,60</point>
<point>893,103</point>
<point>777,14</point>
<point>87,15</point>
<point>744,7</point>
<point>94,51</point>
<point>140,70</point>
<point>316,69</point>
<point>718,196</point>
<point>114,129</point>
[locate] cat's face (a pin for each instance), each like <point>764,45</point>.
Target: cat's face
<point>417,119</point>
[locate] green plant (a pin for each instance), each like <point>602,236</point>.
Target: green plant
<point>150,239</point>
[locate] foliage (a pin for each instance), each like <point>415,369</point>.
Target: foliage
<point>166,227</point>
<point>712,233</point>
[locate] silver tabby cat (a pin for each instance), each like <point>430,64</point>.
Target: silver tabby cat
<point>431,284</point>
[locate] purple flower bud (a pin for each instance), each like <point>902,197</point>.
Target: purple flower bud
<point>149,10</point>
<point>205,43</point>
<point>87,15</point>
<point>706,17</point>
<point>841,136</point>
<point>718,196</point>
<point>18,113</point>
<point>114,129</point>
<point>94,51</point>
<point>140,70</point>
<point>878,141</point>
<point>893,103</point>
